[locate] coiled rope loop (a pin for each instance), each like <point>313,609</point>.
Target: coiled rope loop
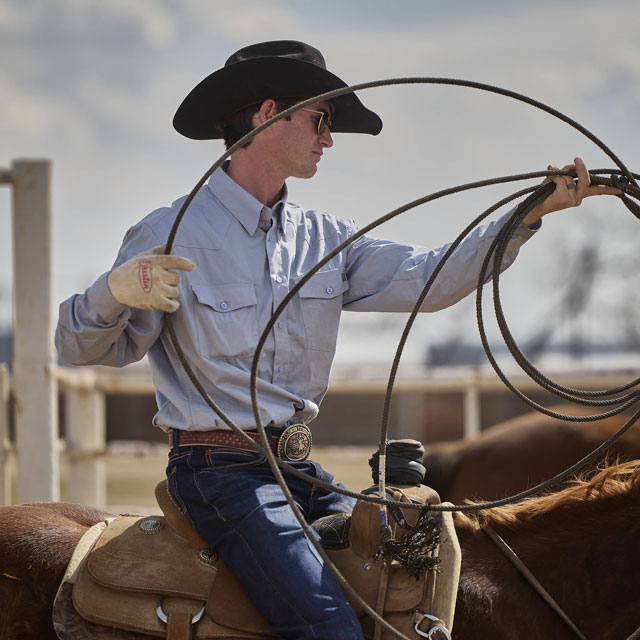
<point>620,177</point>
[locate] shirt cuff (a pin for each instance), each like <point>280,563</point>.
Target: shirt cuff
<point>102,301</point>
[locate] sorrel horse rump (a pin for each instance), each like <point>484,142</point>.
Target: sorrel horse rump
<point>581,543</point>
<point>514,455</point>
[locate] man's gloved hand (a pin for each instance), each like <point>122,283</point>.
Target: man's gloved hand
<point>146,282</point>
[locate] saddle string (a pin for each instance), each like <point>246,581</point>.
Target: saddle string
<point>631,189</point>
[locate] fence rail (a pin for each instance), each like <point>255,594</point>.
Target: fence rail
<point>138,381</point>
<point>84,392</point>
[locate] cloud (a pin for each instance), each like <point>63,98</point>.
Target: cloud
<point>94,85</point>
<point>154,22</point>
<point>253,21</point>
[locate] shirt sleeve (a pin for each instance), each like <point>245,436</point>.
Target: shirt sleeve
<point>389,276</point>
<point>94,328</point>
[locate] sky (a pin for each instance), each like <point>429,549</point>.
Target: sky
<point>93,86</point>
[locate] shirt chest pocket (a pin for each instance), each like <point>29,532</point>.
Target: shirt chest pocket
<point>226,319</point>
<point>321,305</point>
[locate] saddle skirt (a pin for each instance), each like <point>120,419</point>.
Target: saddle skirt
<point>137,577</point>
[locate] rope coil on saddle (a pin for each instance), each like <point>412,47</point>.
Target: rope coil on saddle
<point>620,177</point>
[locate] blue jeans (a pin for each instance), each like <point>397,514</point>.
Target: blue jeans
<point>237,506</point>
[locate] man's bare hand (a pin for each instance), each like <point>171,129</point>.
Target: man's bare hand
<point>147,282</point>
<point>568,192</point>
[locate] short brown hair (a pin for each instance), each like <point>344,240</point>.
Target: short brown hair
<point>241,122</point>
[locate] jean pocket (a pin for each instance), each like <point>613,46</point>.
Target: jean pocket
<point>172,483</point>
<point>224,458</point>
<point>178,453</point>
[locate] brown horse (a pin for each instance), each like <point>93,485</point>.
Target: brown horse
<point>36,543</point>
<point>520,453</point>
<point>581,543</point>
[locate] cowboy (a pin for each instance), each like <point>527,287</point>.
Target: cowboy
<point>239,249</point>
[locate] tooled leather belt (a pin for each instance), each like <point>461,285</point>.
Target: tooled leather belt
<point>292,445</point>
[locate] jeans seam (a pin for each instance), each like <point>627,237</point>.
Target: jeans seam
<point>274,588</point>
<point>203,498</point>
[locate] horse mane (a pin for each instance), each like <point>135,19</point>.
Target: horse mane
<point>609,481</point>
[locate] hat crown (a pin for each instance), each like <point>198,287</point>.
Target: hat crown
<point>279,49</point>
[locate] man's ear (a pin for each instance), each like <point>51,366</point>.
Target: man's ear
<point>267,110</point>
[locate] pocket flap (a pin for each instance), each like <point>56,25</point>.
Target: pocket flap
<point>325,284</point>
<point>225,297</point>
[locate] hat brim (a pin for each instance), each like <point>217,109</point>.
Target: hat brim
<point>223,93</point>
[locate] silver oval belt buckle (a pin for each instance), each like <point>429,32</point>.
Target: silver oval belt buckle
<point>294,444</point>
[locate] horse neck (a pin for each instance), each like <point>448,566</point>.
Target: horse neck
<point>586,554</point>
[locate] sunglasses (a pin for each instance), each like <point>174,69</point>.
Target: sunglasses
<point>324,121</point>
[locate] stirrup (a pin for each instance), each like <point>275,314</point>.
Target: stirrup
<point>164,618</point>
<point>437,631</point>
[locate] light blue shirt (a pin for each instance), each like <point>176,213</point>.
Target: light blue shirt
<point>242,273</point>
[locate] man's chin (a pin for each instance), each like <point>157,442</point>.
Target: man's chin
<point>305,174</point>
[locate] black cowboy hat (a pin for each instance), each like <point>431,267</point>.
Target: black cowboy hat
<point>277,69</point>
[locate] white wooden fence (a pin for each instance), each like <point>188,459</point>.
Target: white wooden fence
<point>31,462</point>
<point>84,390</point>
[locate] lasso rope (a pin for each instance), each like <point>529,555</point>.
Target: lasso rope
<point>620,177</point>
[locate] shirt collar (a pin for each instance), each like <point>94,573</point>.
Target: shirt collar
<point>239,202</point>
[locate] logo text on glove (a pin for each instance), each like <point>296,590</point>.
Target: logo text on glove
<point>144,272</point>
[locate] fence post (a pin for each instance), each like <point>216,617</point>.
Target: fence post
<point>471,408</point>
<point>35,387</point>
<point>85,409</point>
<point>6,461</point>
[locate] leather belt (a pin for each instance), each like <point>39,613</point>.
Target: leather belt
<point>292,445</point>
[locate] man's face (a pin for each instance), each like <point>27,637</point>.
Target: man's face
<point>296,145</point>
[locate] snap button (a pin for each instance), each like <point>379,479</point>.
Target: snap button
<point>329,289</point>
<point>223,305</point>
<point>282,368</point>
<point>278,278</point>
